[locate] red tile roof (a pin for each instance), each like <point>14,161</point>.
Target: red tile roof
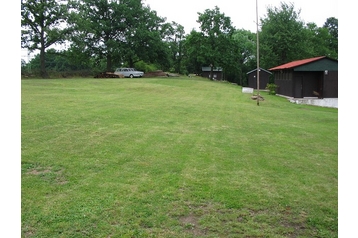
<point>296,63</point>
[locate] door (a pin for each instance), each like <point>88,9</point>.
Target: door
<point>320,84</point>
<point>297,86</point>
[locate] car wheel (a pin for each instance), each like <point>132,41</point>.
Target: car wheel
<point>131,76</point>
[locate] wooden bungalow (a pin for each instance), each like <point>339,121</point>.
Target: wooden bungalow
<point>217,72</point>
<point>313,77</point>
<point>263,80</point>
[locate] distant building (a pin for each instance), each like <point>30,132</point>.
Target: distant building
<point>313,77</point>
<point>217,72</point>
<point>263,80</point>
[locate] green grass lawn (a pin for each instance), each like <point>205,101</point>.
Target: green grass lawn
<point>174,157</point>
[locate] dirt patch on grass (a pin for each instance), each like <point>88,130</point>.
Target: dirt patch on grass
<point>49,174</point>
<point>298,225</point>
<point>191,225</point>
<point>216,219</point>
<point>38,171</point>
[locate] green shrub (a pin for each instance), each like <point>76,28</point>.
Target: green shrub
<point>272,88</point>
<point>146,67</point>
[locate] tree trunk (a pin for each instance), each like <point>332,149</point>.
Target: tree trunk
<point>131,62</point>
<point>109,62</point>
<point>43,71</point>
<point>211,71</point>
<point>179,58</point>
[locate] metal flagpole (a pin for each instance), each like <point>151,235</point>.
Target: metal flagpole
<point>258,55</point>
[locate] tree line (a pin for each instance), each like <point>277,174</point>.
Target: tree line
<point>102,35</point>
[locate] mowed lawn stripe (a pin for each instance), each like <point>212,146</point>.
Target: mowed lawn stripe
<point>174,157</point>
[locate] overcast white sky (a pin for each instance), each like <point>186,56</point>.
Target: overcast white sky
<point>242,13</point>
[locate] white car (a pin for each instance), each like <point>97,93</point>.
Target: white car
<point>129,72</point>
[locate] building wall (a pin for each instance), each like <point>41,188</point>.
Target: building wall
<point>284,81</point>
<point>330,85</point>
<point>312,82</point>
<point>217,75</point>
<point>302,81</point>
<point>264,79</point>
<point>304,84</point>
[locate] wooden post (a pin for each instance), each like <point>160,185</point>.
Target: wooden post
<point>258,55</point>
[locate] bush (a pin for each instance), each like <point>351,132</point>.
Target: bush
<point>272,88</point>
<point>145,67</point>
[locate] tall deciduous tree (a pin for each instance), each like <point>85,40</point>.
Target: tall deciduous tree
<point>217,30</point>
<point>281,36</point>
<point>119,31</point>
<point>101,26</point>
<point>331,25</point>
<point>173,35</point>
<point>194,47</point>
<point>41,22</point>
<point>317,41</point>
<point>144,40</point>
<point>245,42</point>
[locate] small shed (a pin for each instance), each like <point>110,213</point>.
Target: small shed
<point>263,80</point>
<point>313,77</point>
<point>217,72</point>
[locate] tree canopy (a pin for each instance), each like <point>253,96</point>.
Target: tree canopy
<point>42,26</point>
<point>214,44</point>
<point>285,37</point>
<point>104,34</point>
<point>281,38</point>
